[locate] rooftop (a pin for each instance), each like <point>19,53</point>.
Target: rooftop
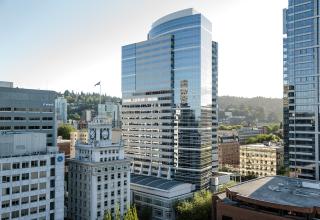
<point>155,182</point>
<point>175,15</point>
<point>281,190</point>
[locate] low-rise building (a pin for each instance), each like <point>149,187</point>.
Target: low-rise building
<point>32,178</point>
<point>99,175</point>
<point>158,195</point>
<point>64,146</point>
<point>269,198</point>
<point>260,159</point>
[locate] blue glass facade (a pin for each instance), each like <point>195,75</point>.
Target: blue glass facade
<point>301,87</point>
<point>169,86</point>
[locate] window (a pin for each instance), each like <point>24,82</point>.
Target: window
<point>6,179</point>
<point>119,175</point>
<point>52,183</point>
<point>34,175</point>
<point>15,178</point>
<point>99,187</point>
<point>51,205</point>
<point>24,212</point>
<point>43,163</point>
<point>25,188</point>
<point>33,210</point>
<point>15,189</point>
<point>105,177</point>
<point>43,174</point>
<point>15,214</point>
<point>15,202</point>
<point>24,200</point>
<point>34,198</point>
<point>25,176</point>
<point>42,185</point>
<point>25,164</point>
<point>52,172</point>
<point>105,186</point>
<point>42,208</point>
<point>6,166</point>
<point>42,197</point>
<point>34,187</point>
<point>34,163</point>
<point>16,166</point>
<point>51,194</point>
<point>5,204</point>
<point>53,161</point>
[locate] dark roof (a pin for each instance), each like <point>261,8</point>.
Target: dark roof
<point>154,182</point>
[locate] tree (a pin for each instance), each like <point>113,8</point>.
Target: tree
<point>117,214</point>
<point>107,216</point>
<point>65,130</point>
<point>197,208</point>
<point>131,214</point>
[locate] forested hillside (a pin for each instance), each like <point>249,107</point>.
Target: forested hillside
<point>258,109</point>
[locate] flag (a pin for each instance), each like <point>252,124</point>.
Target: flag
<point>98,83</point>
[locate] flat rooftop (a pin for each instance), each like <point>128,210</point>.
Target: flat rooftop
<point>281,190</point>
<point>155,182</point>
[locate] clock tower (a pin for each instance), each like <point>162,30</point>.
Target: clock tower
<point>100,129</point>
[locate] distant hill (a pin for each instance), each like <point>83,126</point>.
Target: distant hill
<point>251,110</point>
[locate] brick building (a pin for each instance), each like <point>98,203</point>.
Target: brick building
<point>269,198</point>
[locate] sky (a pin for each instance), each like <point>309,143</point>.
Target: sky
<point>74,44</point>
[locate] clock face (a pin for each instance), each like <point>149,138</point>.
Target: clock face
<point>104,134</point>
<point>92,134</point>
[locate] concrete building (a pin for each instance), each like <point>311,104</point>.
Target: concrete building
<point>245,133</point>
<point>28,110</point>
<point>99,176</point>
<point>80,136</point>
<point>32,183</point>
<point>86,115</point>
<point>229,152</point>
<point>61,107</point>
<point>260,159</point>
<point>115,111</point>
<point>301,88</point>
<point>269,198</point>
<point>158,194</point>
<point>169,86</point>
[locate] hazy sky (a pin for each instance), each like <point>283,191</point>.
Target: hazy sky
<point>73,44</point>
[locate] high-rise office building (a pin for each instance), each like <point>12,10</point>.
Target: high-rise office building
<point>301,87</point>
<point>32,177</point>
<point>169,90</point>
<point>28,110</point>
<point>99,175</point>
<point>61,107</point>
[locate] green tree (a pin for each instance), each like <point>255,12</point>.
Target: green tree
<point>131,214</point>
<point>65,130</point>
<point>117,214</point>
<point>107,216</point>
<point>197,208</point>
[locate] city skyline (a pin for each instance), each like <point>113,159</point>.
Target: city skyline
<point>64,43</point>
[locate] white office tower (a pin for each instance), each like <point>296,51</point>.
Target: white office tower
<point>99,176</point>
<point>32,178</point>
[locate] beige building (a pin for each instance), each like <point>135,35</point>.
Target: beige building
<point>260,159</point>
<point>82,136</point>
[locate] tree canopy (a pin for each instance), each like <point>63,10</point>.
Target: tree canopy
<point>197,208</point>
<point>65,130</point>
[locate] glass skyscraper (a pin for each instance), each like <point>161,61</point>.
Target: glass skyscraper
<point>169,112</point>
<point>301,88</point>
